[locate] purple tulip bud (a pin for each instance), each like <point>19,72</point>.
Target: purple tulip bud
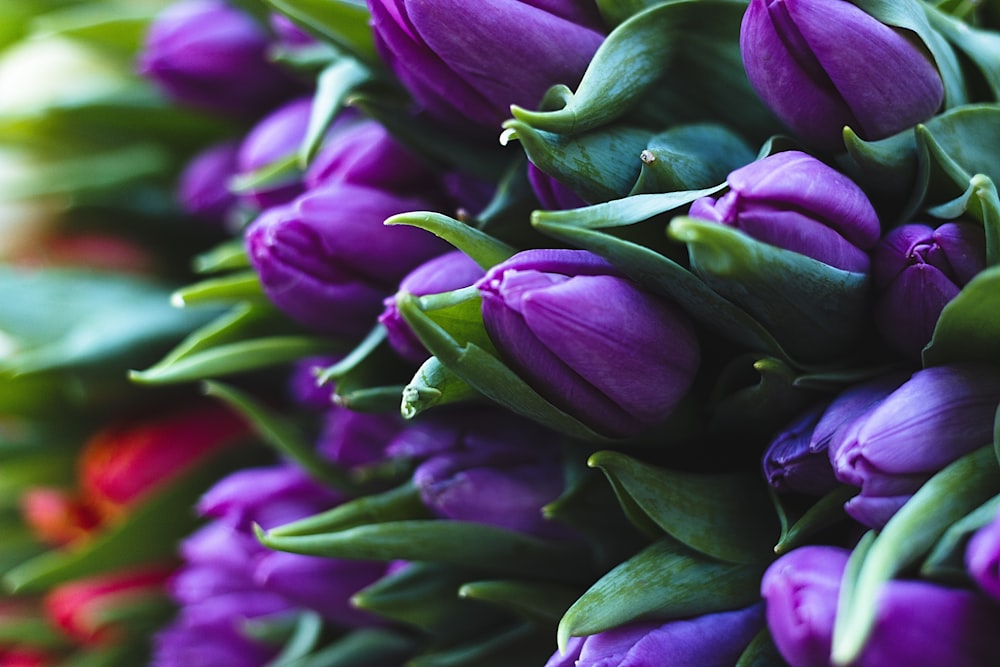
<point>275,137</point>
<point>206,54</point>
<point>982,558</point>
<point>327,261</point>
<point>447,272</point>
<point>357,438</point>
<point>917,271</point>
<point>823,64</point>
<point>203,186</point>
<point>847,406</point>
<point>470,61</point>
<point>712,640</point>
<point>935,417</point>
<point>790,464</point>
<point>617,358</point>
<point>793,201</point>
<point>917,624</point>
<point>289,34</point>
<point>303,383</point>
<point>551,194</point>
<point>362,152</point>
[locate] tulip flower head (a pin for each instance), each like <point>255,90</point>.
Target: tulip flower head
<point>793,201</point>
<point>982,558</point>
<point>589,340</point>
<point>792,464</point>
<point>917,270</point>
<point>821,65</point>
<point>203,186</point>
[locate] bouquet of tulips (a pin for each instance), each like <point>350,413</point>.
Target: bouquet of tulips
<point>441,333</point>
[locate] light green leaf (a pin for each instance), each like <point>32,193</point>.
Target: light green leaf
<point>241,286</point>
<point>482,248</point>
<point>434,384</point>
<point>399,504</point>
<point>969,325</point>
<point>333,86</point>
<point>344,23</point>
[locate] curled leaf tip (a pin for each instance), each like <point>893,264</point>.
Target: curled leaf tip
<point>177,300</point>
<point>509,134</point>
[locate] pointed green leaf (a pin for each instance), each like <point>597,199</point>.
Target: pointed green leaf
<point>282,171</point>
<point>368,647</point>
<point>465,544</point>
<point>542,602</point>
<point>520,645</point>
<point>434,384</point>
<point>691,157</point>
<point>399,504</point>
<point>911,532</point>
<point>345,23</point>
<point>333,86</point>
<point>620,212</point>
<point>241,286</point>
<point>726,516</point>
<point>969,325</point>
<point>304,637</point>
<point>946,561</point>
<point>663,581</point>
<point>981,46</point>
<point>226,256</point>
<point>815,310</point>
<point>761,652</point>
<point>482,248</point>
<point>599,165</point>
<point>758,405</point>
<point>282,435</point>
<point>824,513</point>
<point>487,374</point>
<point>980,201</point>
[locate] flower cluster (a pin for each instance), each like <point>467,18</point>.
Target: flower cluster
<point>538,332</point>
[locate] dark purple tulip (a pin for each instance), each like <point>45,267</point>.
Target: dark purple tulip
<point>203,186</point>
<point>467,61</point>
<point>982,558</point>
<point>275,137</point>
<point>917,624</point>
<point>440,274</point>
<point>303,385</point>
<point>712,640</point>
<point>823,64</point>
<point>935,417</point>
<point>207,54</point>
<point>792,200</point>
<point>848,405</point>
<point>357,438</point>
<point>590,341</point>
<point>917,270</point>
<point>551,194</point>
<point>327,261</point>
<point>791,464</point>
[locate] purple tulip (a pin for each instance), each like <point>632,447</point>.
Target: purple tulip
<point>327,261</point>
<point>357,438</point>
<point>712,640</point>
<point>440,274</point>
<point>917,271</point>
<point>791,464</point>
<point>588,340</point>
<point>228,577</point>
<point>793,201</point>
<point>470,61</point>
<point>303,385</point>
<point>823,64</point>
<point>848,405</point>
<point>203,186</point>
<point>917,624</point>
<point>207,54</point>
<point>982,558</point>
<point>935,417</point>
<point>551,194</point>
<point>275,137</point>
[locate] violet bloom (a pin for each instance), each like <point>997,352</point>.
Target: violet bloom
<point>917,271</point>
<point>466,61</point>
<point>982,558</point>
<point>793,201</point>
<point>447,272</point>
<point>203,185</point>
<point>712,640</point>
<point>823,64</point>
<point>275,137</point>
<point>588,340</point>
<point>917,624</point>
<point>932,419</point>
<point>354,439</point>
<point>327,260</point>
<point>551,194</point>
<point>229,578</point>
<point>792,464</point>
<point>304,387</point>
<point>207,54</point>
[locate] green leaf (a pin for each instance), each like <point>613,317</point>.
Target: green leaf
<point>399,504</point>
<point>815,310</point>
<point>283,436</point>
<point>946,561</point>
<point>370,377</point>
<point>601,164</point>
<point>241,286</point>
<point>620,212</point>
<point>980,201</point>
<point>727,516</point>
<point>691,157</point>
<point>368,647</point>
<point>969,325</point>
<point>616,11</point>
<point>663,581</point>
<point>761,652</point>
<point>345,23</point>
<point>487,374</point>
<point>520,645</point>
<point>305,636</point>
<point>664,276</point>
<point>434,384</point>
<point>333,86</point>
<point>824,513</point>
<point>542,602</point>
<point>482,248</point>
<point>281,171</point>
<point>765,396</point>
<point>460,543</point>
<point>910,533</point>
<point>691,47</point>
<point>226,256</point>
<point>981,46</point>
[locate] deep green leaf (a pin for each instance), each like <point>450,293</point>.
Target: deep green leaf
<point>520,645</point>
<point>761,652</point>
<point>946,561</point>
<point>307,631</point>
<point>542,602</point>
<point>664,581</point>
<point>368,647</point>
<point>825,512</point>
<point>755,397</point>
<point>969,325</point>
<point>399,504</point>
<point>691,157</point>
<point>981,46</point>
<point>979,201</point>
<point>728,516</point>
